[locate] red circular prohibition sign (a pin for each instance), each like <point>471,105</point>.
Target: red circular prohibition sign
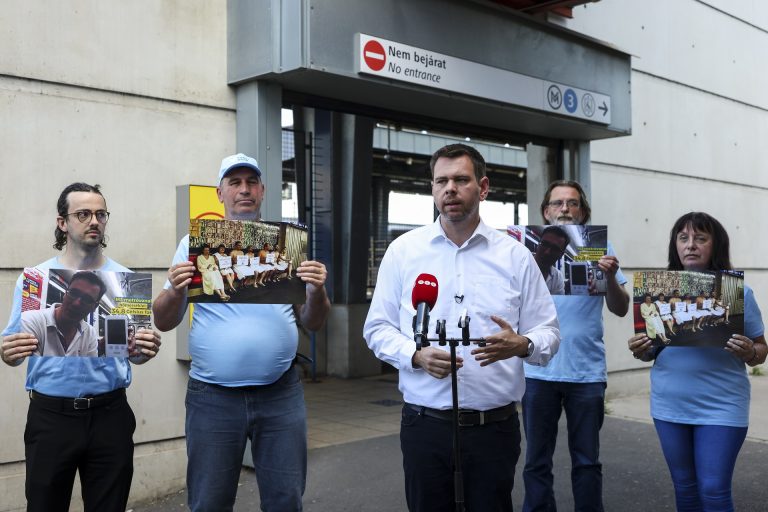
<point>374,56</point>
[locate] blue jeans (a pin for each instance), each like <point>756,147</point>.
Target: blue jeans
<point>219,422</point>
<point>701,459</point>
<point>584,405</point>
<point>489,454</point>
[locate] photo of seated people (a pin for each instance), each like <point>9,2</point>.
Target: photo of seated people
<point>683,308</point>
<point>86,313</point>
<point>567,256</point>
<point>246,261</point>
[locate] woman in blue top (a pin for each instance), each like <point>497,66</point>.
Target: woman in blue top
<point>700,395</point>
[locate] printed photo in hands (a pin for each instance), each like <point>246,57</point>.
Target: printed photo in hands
<point>688,309</point>
<point>82,313</point>
<point>246,261</point>
<point>567,256</point>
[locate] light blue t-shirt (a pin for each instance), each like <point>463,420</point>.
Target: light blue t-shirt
<point>705,385</point>
<point>239,344</point>
<point>70,377</point>
<point>581,357</point>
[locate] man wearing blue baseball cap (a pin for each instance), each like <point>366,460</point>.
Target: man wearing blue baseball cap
<point>242,381</point>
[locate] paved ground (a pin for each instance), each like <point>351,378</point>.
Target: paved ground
<point>355,461</point>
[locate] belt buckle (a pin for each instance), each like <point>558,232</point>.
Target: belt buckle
<point>470,416</point>
<point>82,403</point>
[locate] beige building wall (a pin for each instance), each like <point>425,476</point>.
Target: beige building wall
<point>133,96</point>
<point>699,126</point>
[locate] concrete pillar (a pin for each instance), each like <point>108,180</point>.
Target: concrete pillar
<point>542,171</point>
<point>259,134</point>
<point>343,163</point>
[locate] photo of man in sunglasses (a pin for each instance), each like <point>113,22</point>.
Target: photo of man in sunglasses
<point>62,329</point>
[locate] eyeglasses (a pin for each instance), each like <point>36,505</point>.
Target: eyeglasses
<point>86,215</point>
<point>572,203</point>
<point>82,297</point>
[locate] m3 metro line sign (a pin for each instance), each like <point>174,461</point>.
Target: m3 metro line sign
<point>396,61</point>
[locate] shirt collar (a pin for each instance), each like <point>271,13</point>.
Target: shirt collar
<point>50,321</point>
<point>481,231</point>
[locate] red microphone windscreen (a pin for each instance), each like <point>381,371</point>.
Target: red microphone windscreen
<point>424,290</point>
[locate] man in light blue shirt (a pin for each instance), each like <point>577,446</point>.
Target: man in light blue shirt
<point>242,383</point>
<point>576,377</point>
<point>79,418</point>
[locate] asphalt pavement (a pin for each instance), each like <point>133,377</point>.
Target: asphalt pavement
<point>366,475</point>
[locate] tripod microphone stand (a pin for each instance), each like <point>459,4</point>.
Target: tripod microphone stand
<point>422,340</point>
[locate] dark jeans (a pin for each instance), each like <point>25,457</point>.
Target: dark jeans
<point>219,422</point>
<point>98,442</point>
<point>489,454</point>
<point>584,411</point>
<point>701,459</point>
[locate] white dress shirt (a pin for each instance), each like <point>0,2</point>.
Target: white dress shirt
<point>493,274</point>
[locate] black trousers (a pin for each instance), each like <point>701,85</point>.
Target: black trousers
<point>98,442</point>
<point>489,455</point>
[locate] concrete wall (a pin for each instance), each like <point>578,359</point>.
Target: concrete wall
<point>700,122</point>
<point>133,96</point>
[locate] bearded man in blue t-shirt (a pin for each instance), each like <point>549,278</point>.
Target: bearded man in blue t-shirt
<point>575,378</point>
<point>79,419</point>
<point>242,383</point>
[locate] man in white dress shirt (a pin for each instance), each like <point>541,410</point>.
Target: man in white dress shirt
<point>497,281</point>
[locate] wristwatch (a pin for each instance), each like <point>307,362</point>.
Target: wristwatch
<point>531,348</point>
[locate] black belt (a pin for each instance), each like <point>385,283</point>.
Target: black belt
<point>79,403</point>
<point>467,417</point>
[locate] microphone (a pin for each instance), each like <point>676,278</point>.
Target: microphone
<point>423,299</point>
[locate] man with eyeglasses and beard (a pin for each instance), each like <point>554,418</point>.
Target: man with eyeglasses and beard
<point>62,330</point>
<point>79,419</point>
<point>575,379</point>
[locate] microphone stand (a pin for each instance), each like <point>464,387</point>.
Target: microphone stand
<point>422,340</point>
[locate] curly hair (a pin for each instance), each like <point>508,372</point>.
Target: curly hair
<point>62,207</point>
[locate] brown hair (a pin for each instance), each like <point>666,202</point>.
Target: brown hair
<point>700,221</point>
<point>585,209</point>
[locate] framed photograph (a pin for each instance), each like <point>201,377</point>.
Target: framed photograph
<point>688,309</point>
<point>567,256</point>
<point>86,313</point>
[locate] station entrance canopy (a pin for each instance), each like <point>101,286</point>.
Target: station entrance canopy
<point>461,62</point>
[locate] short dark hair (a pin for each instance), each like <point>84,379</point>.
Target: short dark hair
<point>458,150</point>
<point>700,221</point>
<point>586,210</point>
<point>62,205</point>
<point>220,246</point>
<point>90,277</point>
<point>559,232</point>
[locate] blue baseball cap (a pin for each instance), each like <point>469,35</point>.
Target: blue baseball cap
<point>239,160</point>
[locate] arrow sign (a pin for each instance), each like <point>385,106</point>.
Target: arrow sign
<point>604,108</point>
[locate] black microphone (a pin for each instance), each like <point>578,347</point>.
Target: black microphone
<point>423,299</point>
